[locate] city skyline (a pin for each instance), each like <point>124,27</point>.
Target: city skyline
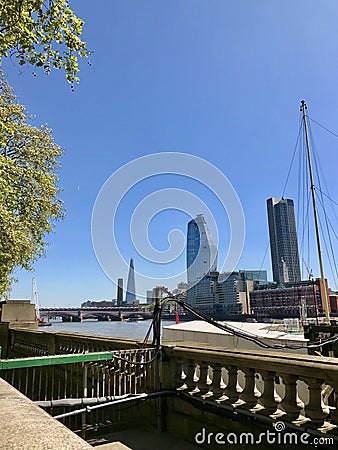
<point>219,80</point>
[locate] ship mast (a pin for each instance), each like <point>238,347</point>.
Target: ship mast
<point>36,300</point>
<point>323,290</point>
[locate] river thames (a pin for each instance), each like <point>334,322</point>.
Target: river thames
<point>136,330</point>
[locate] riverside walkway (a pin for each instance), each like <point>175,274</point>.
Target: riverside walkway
<point>99,386</point>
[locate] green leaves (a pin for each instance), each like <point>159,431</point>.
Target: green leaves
<point>42,34</point>
<point>29,204</point>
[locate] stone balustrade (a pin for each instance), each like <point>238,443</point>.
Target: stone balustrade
<point>299,389</point>
<point>22,342</point>
<point>267,386</point>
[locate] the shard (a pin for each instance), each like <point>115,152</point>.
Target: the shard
<point>130,293</point>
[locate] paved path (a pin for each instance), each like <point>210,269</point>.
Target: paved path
<point>143,440</point>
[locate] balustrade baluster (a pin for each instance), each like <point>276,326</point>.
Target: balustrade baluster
<point>202,380</point>
<point>230,392</point>
<point>177,375</point>
<point>289,403</point>
<point>207,384</point>
<point>334,411</point>
<point>217,381</point>
<point>192,378</point>
<point>267,399</point>
<point>248,394</point>
<point>313,409</point>
<point>189,371</point>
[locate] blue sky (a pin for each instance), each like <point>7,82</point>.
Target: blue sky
<point>218,79</point>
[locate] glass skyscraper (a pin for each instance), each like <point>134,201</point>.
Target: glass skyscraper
<point>201,250</point>
<point>283,240</point>
<point>131,294</point>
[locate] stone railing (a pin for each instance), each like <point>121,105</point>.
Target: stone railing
<point>299,389</point>
<point>22,343</point>
<point>266,386</point>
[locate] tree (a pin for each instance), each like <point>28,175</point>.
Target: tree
<point>44,34</point>
<point>29,204</point>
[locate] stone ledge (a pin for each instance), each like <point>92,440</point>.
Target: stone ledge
<point>24,426</point>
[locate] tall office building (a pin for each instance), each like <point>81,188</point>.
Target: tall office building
<point>201,250</point>
<point>130,293</point>
<point>283,240</point>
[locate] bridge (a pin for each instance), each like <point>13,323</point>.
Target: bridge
<point>115,313</point>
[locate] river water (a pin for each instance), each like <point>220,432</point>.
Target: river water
<point>136,330</point>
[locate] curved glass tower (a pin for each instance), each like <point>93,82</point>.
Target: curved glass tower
<point>201,250</point>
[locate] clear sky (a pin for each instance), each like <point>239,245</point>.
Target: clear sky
<point>218,79</point>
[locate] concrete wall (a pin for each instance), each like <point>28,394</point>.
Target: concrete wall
<point>25,426</point>
<point>19,312</point>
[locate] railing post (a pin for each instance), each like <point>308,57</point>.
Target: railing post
<point>231,389</point>
<point>289,402</point>
<point>202,380</point>
<point>191,376</point>
<point>267,399</point>
<point>217,379</point>
<point>334,412</point>
<point>177,374</point>
<point>313,409</point>
<point>189,370</point>
<point>248,394</point>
